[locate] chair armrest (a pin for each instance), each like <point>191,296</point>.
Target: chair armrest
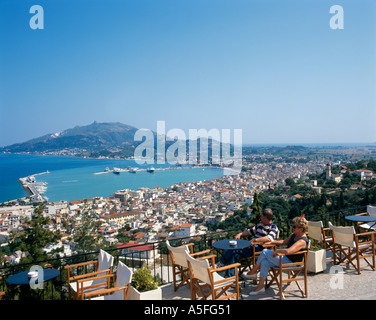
<point>290,254</point>
<point>211,257</point>
<point>106,276</point>
<point>264,244</point>
<point>365,234</point>
<point>269,245</point>
<point>88,275</point>
<point>229,266</point>
<point>362,214</point>
<point>102,292</point>
<point>201,252</point>
<point>80,264</point>
<point>206,257</point>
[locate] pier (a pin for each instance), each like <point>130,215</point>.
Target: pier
<point>33,188</point>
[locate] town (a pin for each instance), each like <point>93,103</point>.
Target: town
<point>181,210</point>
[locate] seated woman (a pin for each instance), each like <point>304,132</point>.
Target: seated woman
<point>297,241</point>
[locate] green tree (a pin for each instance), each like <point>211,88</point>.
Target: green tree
<point>35,237</point>
<point>257,209</point>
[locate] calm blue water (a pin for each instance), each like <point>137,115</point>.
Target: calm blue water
<point>72,178</point>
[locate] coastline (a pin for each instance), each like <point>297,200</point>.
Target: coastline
<point>21,163</point>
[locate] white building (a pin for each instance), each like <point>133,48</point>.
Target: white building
<point>185,230</point>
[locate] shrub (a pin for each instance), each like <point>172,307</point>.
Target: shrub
<point>142,280</point>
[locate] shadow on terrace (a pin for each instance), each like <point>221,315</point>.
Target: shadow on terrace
<point>332,283</point>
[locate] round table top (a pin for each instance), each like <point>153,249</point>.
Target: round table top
<point>225,244</point>
<point>23,278</point>
<point>361,218</point>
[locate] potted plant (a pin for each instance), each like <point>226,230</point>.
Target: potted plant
<point>316,261</point>
<point>143,286</point>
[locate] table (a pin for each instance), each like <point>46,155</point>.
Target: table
<point>364,219</point>
<point>22,278</point>
<point>224,245</point>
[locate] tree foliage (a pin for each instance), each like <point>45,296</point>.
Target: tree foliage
<point>35,237</point>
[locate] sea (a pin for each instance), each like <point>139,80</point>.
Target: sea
<point>72,178</point>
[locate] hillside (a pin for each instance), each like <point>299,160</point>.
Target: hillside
<point>94,137</point>
<point>107,139</point>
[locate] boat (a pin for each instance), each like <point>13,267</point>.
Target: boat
<point>133,170</point>
<point>107,169</point>
<point>116,170</point>
<point>150,169</point>
<point>40,188</point>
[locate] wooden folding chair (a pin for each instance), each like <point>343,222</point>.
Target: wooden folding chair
<point>322,235</point>
<point>369,226</point>
<point>79,284</point>
<point>352,248</point>
<point>206,281</point>
<point>180,264</point>
<point>295,271</point>
<point>122,282</point>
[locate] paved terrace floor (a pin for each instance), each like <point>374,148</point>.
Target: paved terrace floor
<point>321,286</point>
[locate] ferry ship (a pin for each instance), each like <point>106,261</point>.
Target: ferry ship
<point>116,170</point>
<point>150,169</point>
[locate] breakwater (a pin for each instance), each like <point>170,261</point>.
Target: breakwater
<point>33,188</point>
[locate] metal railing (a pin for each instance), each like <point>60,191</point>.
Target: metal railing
<point>157,258</point>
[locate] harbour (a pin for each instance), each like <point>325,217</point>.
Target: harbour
<point>72,178</point>
<point>33,188</point>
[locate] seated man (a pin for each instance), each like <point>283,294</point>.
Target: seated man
<point>265,231</point>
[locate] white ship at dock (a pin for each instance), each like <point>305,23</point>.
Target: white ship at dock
<point>33,188</point>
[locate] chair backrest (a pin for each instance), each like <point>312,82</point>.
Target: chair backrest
<point>371,211</point>
<point>105,260</point>
<point>179,254</point>
<point>123,278</point>
<point>315,230</point>
<point>343,235</point>
<point>199,268</point>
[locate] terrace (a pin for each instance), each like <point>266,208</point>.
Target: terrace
<point>321,286</point>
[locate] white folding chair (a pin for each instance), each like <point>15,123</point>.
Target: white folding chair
<point>206,280</point>
<point>83,283</point>
<point>371,211</point>
<point>122,283</point>
<point>317,232</point>
<point>180,264</point>
<point>350,246</point>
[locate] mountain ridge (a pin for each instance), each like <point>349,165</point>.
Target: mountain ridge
<point>98,139</point>
<point>93,137</point>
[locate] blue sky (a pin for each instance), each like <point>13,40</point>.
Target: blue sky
<point>274,69</point>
